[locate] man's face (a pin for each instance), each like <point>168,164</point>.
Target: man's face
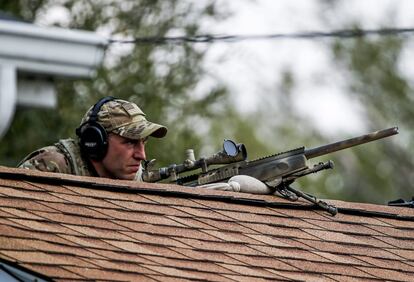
<point>123,158</point>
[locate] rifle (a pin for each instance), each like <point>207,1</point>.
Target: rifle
<point>277,171</point>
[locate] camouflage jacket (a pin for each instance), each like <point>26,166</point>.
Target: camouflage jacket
<point>63,157</point>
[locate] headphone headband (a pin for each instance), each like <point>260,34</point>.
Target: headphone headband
<point>97,107</point>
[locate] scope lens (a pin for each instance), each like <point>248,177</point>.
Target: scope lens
<point>230,148</point>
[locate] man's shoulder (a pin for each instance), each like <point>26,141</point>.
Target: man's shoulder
<point>50,159</point>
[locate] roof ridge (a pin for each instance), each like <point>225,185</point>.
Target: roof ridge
<point>172,190</point>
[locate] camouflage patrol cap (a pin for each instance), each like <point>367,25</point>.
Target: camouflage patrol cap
<point>126,119</point>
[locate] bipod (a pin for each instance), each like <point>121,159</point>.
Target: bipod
<point>293,194</point>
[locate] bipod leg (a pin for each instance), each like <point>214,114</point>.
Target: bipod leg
<point>323,205</point>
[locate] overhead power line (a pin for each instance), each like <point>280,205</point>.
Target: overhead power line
<point>209,38</point>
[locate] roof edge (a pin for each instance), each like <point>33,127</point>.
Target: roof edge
<point>19,272</point>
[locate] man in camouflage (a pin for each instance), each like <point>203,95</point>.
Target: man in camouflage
<point>125,131</point>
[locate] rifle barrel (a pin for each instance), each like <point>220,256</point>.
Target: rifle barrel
<point>337,146</point>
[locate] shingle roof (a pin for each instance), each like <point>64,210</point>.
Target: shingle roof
<point>66,227</point>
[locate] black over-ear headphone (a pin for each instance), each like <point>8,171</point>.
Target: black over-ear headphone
<point>93,137</point>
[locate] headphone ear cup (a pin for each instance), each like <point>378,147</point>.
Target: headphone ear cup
<point>93,140</point>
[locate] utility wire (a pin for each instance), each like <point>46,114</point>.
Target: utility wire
<point>208,38</point>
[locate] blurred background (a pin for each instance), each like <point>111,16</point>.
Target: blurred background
<point>273,95</point>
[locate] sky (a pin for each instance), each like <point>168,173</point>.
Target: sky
<point>252,68</point>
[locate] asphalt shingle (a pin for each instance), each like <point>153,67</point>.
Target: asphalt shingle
<point>71,228</point>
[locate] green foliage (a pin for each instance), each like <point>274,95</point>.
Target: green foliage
<point>161,79</point>
<point>376,172</point>
<point>376,79</point>
<point>23,9</point>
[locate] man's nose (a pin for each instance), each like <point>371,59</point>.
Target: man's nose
<point>139,150</point>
